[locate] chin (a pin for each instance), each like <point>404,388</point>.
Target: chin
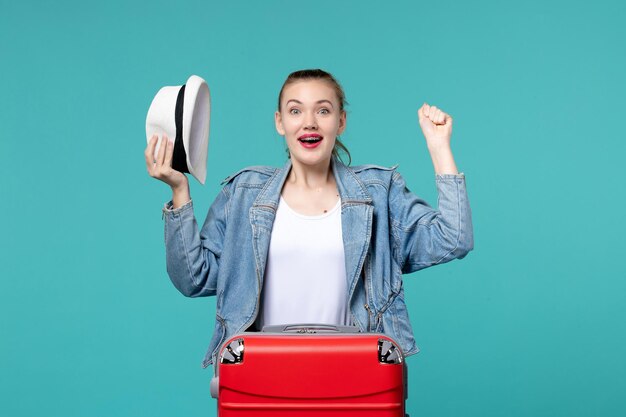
<point>311,159</point>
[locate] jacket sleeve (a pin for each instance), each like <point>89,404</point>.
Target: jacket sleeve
<point>424,236</point>
<point>192,256</point>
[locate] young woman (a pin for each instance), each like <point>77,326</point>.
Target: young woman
<point>315,241</point>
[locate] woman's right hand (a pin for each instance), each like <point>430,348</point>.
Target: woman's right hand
<point>160,167</point>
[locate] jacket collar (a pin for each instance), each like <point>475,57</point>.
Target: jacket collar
<point>350,187</point>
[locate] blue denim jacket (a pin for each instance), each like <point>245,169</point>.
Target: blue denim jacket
<point>387,231</point>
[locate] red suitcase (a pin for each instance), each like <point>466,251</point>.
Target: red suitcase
<point>309,370</point>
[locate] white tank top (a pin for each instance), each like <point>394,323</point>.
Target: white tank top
<point>305,277</point>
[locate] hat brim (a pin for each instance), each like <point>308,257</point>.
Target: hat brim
<point>196,122</point>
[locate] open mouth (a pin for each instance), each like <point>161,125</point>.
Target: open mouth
<point>310,140</point>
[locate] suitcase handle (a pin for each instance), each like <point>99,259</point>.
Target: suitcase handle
<point>309,328</point>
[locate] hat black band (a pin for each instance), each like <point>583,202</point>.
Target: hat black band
<point>179,159</point>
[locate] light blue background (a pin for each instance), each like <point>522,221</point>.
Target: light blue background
<point>532,323</point>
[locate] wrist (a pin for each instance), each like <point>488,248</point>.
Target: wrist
<point>180,194</point>
<point>181,186</point>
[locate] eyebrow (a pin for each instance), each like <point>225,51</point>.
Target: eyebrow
<point>318,102</point>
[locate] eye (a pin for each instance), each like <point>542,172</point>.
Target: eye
<point>294,111</point>
<point>324,111</point>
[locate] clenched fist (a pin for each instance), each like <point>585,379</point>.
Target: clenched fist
<point>436,126</point>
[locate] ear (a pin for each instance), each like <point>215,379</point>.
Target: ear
<point>278,120</point>
<point>342,122</point>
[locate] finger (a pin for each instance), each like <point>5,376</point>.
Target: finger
<point>161,155</point>
<point>150,147</point>
<point>169,153</point>
<point>444,117</point>
<point>439,117</point>
<point>426,110</point>
<point>420,112</point>
<point>149,153</point>
<point>433,112</point>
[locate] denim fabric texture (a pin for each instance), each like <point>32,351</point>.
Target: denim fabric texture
<point>387,231</point>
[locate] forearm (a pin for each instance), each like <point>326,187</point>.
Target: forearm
<point>443,160</point>
<point>191,267</point>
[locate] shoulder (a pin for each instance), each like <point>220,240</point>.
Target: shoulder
<point>374,173</point>
<point>372,169</point>
<point>257,174</point>
<point>249,179</point>
<point>374,181</point>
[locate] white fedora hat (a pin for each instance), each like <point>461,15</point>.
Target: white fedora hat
<point>183,113</point>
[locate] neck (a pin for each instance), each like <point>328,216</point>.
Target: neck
<point>310,176</point>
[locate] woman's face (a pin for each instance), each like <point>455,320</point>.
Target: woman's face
<point>310,120</point>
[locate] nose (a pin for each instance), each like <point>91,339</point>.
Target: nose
<point>310,122</point>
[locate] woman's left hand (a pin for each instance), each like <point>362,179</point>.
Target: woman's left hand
<point>436,126</point>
